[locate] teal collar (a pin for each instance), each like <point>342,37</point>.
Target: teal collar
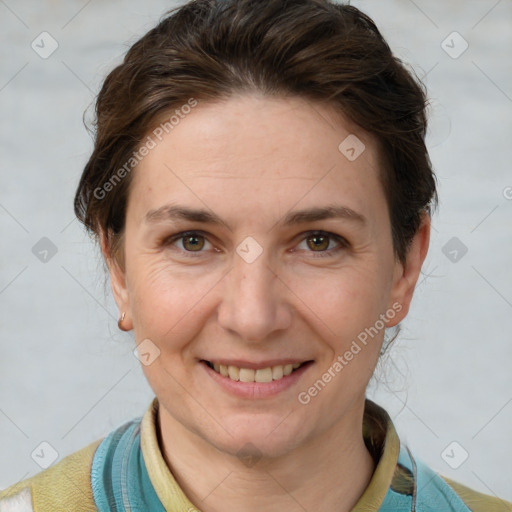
<point>119,478</point>
<point>121,483</point>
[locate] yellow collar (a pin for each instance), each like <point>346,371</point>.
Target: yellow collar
<point>383,444</point>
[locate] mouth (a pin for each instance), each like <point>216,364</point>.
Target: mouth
<point>260,375</point>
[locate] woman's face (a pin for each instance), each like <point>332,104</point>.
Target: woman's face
<point>248,283</point>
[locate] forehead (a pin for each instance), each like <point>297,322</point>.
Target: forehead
<point>259,151</point>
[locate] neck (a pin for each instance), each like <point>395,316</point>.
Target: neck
<point>330,473</point>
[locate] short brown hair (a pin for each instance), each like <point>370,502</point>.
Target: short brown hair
<point>314,49</point>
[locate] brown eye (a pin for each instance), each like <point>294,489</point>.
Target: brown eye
<point>320,242</point>
<point>193,242</point>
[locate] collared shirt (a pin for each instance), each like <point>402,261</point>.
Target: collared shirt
<point>126,472</point>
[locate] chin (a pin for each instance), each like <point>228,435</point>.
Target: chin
<point>259,438</point>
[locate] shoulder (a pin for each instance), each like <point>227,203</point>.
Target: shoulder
<point>62,487</point>
<point>416,486</point>
<point>70,484</point>
<point>476,501</point>
<point>435,492</point>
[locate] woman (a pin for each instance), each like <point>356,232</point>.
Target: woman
<point>261,192</point>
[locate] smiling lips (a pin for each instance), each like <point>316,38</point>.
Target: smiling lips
<point>268,374</point>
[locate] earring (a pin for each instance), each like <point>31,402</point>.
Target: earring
<point>120,322</point>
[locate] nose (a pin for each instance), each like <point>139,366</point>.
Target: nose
<point>254,303</point>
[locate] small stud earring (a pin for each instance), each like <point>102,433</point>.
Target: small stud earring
<point>120,322</point>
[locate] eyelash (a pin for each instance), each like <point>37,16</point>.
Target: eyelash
<point>343,244</point>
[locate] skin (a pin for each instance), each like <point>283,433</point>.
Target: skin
<point>251,160</point>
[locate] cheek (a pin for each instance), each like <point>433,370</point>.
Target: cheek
<point>360,287</point>
<point>345,305</point>
<point>166,302</point>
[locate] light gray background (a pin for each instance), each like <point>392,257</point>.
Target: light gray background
<point>68,376</point>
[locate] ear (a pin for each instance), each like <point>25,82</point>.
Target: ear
<point>406,274</point>
<point>117,279</point>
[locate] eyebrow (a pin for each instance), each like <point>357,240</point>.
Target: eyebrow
<point>176,212</point>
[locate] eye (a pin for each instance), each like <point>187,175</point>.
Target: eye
<point>319,242</point>
<point>191,242</point>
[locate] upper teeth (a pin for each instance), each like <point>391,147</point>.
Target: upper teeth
<point>262,375</point>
